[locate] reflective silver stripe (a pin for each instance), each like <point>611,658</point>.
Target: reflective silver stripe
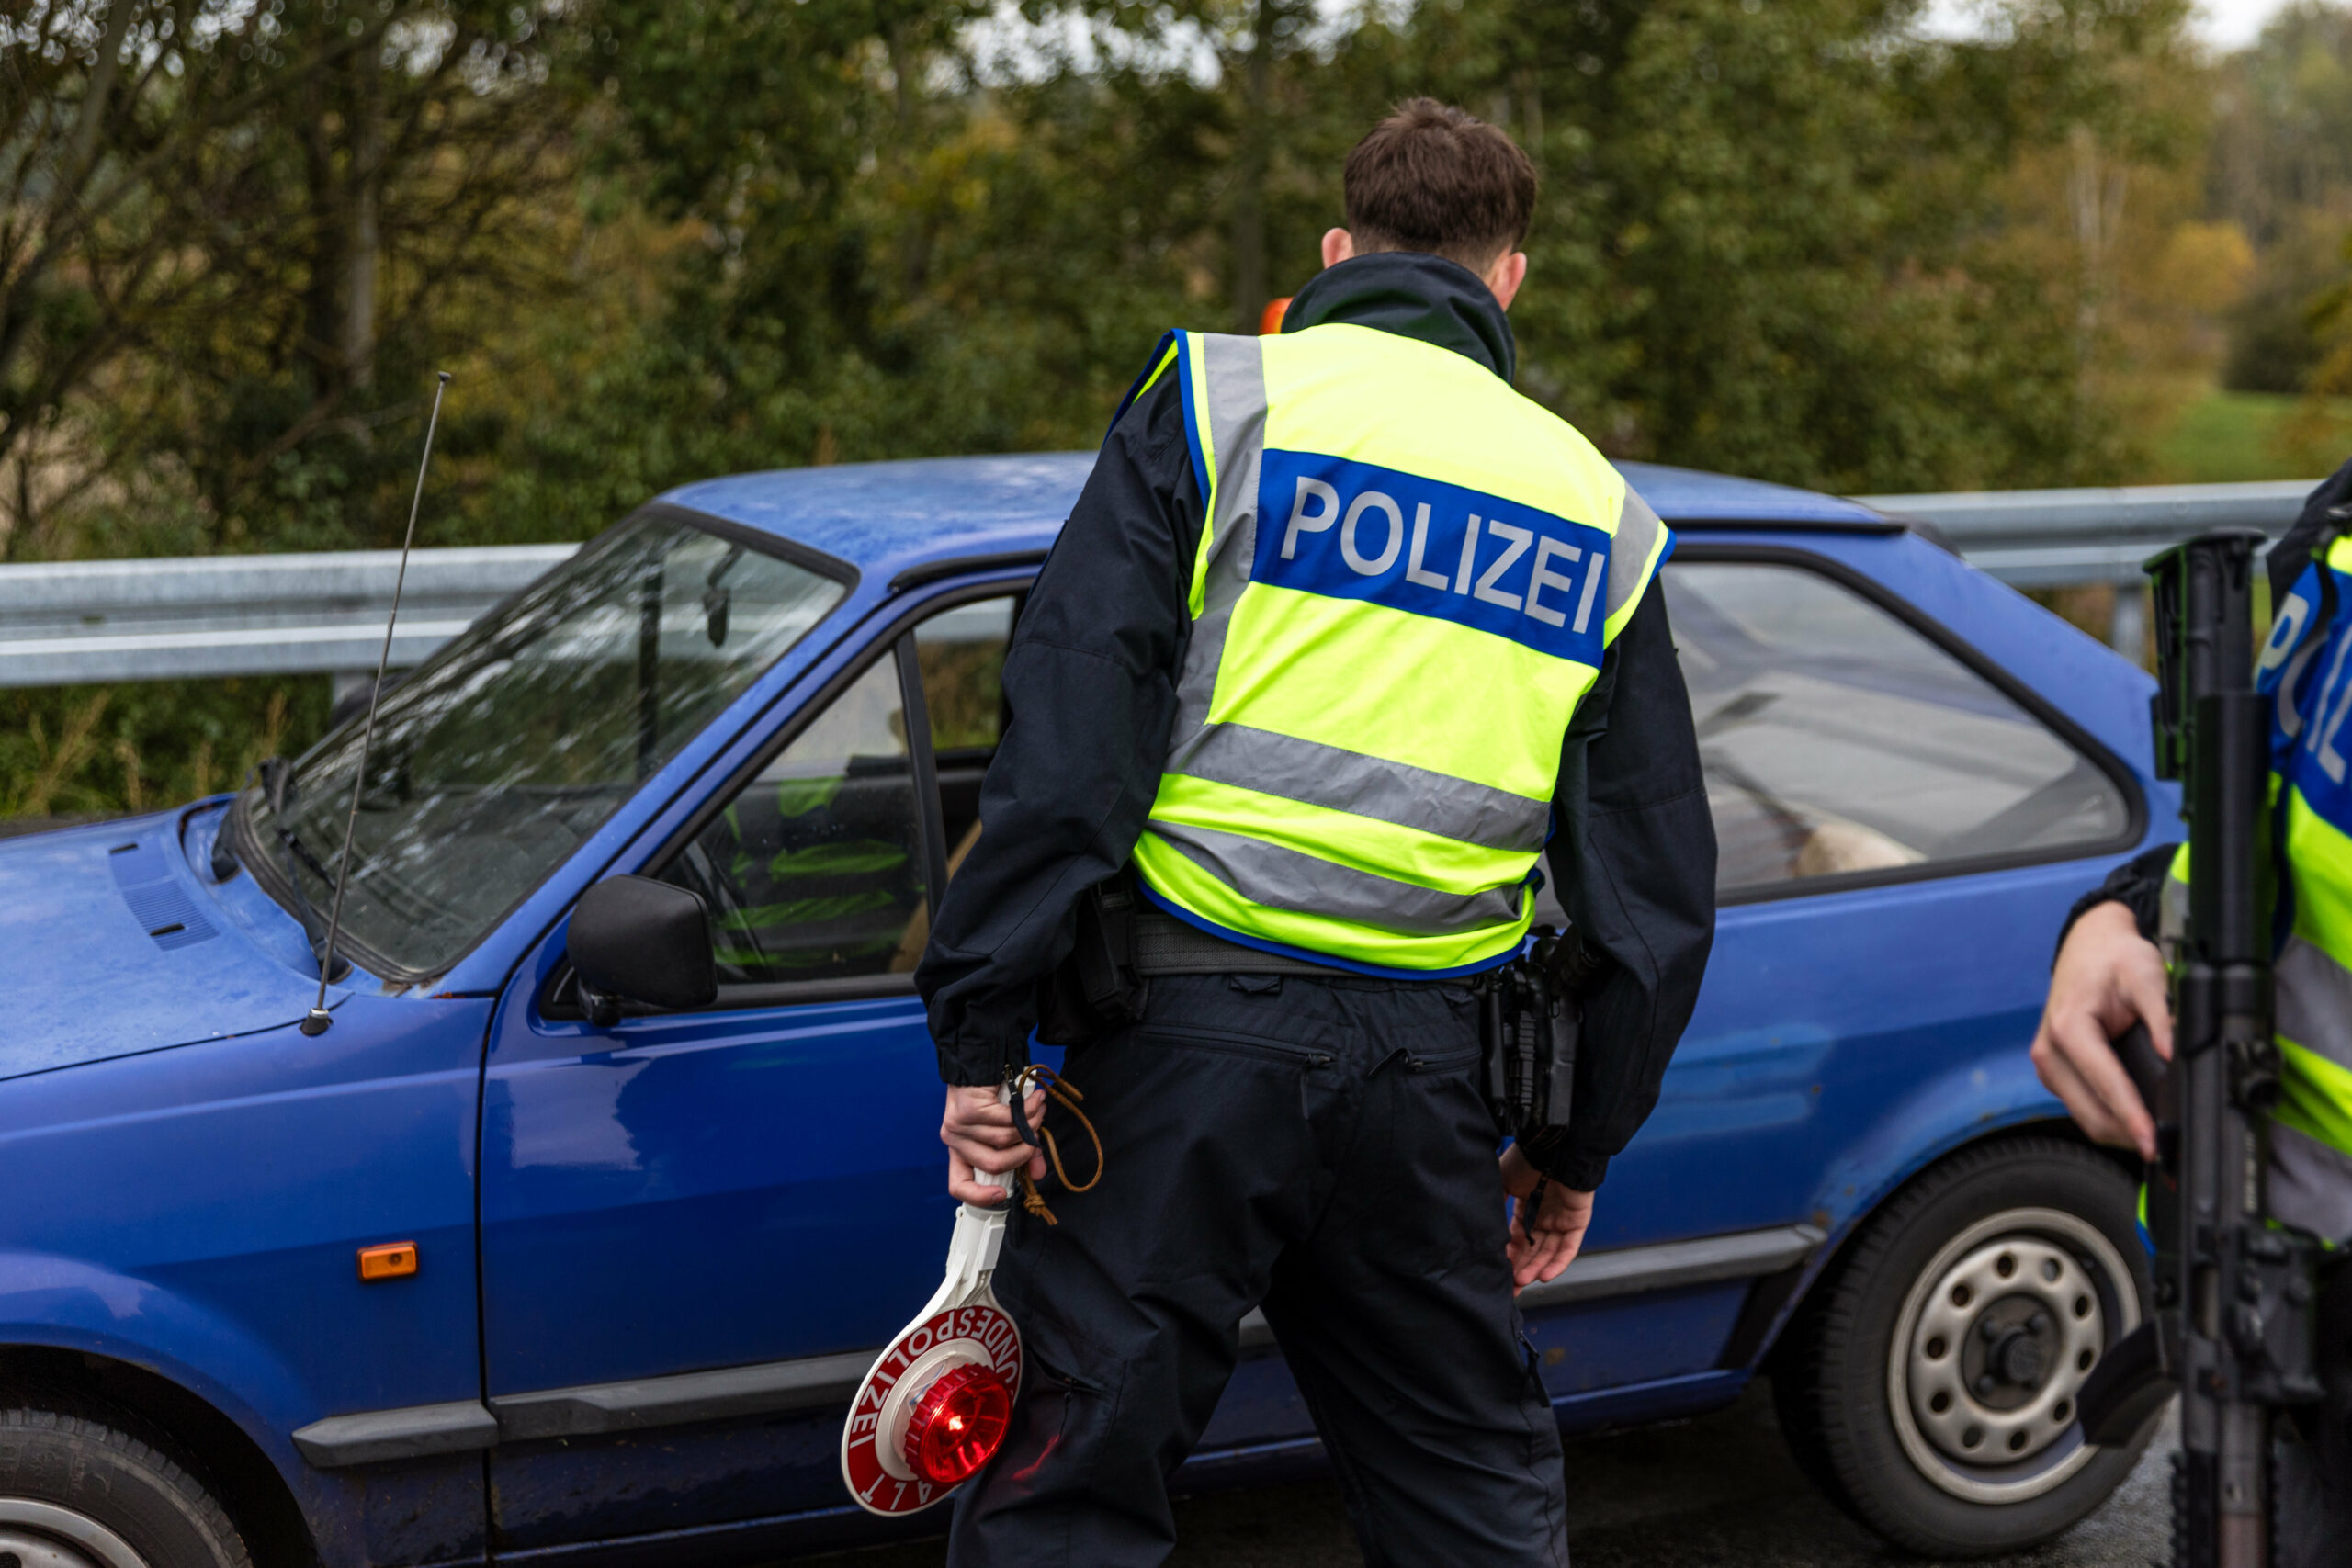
<point>1309,771</point>
<point>2172,918</point>
<point>1638,528</point>
<point>1234,368</point>
<point>2314,1001</point>
<point>2310,1184</point>
<point>1284,879</point>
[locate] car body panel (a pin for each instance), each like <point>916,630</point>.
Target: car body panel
<point>201,1208</point>
<point>675,1194</point>
<point>88,982</point>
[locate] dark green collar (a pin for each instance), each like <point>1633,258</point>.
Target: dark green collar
<point>1413,295</point>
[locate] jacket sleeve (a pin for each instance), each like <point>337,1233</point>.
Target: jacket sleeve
<point>2138,884</point>
<point>1090,685</point>
<point>1634,850</point>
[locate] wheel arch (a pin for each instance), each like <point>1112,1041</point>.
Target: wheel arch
<point>1777,1301</point>
<point>251,1488</point>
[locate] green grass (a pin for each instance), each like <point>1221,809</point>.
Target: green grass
<point>2247,435</point>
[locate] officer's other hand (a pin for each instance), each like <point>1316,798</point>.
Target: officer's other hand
<point>978,1131</point>
<point>1544,1243</point>
<point>2109,978</point>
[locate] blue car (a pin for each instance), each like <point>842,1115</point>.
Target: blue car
<point>494,1264</point>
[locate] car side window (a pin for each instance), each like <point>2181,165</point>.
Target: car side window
<point>1837,739</point>
<point>814,871</point>
<point>961,653</point>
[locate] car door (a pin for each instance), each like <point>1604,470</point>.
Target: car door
<point>1900,827</point>
<point>696,1227</point>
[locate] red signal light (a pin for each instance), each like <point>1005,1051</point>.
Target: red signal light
<point>957,1424</point>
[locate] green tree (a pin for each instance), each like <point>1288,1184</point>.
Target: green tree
<point>232,237</point>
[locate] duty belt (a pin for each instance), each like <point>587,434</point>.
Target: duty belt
<point>1165,945</point>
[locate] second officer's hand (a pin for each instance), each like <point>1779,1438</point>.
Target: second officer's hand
<point>978,1131</point>
<point>2107,977</point>
<point>1544,1243</point>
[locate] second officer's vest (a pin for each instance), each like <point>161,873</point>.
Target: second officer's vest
<point>2306,671</point>
<point>1406,577</point>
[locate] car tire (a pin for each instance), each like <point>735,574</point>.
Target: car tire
<point>77,1491</point>
<point>1928,1385</point>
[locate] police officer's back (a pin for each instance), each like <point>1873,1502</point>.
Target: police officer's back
<point>1342,633</point>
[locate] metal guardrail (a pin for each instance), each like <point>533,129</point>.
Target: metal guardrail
<point>291,614</point>
<point>211,616</point>
<point>2048,538</point>
<point>2043,538</point>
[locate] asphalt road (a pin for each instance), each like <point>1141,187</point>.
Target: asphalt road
<point>1721,1490</point>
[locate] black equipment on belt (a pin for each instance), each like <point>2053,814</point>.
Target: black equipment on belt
<point>1528,1015</point>
<point>1096,990</point>
<point>1528,1021</point>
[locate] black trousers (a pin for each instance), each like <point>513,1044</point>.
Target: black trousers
<point>1319,1149</point>
<point>2314,1474</point>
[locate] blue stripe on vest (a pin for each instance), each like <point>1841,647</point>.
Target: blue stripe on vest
<point>1352,530</point>
<point>2311,741</point>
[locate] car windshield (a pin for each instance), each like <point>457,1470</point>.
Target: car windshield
<point>499,755</point>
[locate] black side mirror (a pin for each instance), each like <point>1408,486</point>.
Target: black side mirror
<point>637,940</point>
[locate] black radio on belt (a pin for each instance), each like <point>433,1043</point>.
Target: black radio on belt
<point>1528,1023</point>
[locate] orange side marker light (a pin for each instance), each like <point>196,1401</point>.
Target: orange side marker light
<point>393,1260</point>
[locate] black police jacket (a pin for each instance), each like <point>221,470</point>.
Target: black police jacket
<point>1090,685</point>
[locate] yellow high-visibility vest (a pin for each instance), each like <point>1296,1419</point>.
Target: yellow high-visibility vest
<point>1407,579</point>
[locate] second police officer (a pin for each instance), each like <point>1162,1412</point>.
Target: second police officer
<point>1341,635</point>
<point>2111,974</point>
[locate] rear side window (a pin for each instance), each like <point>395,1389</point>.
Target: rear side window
<point>961,652</point>
<point>1837,739</point>
<point>961,655</point>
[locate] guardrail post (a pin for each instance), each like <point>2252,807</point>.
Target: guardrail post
<point>2127,629</point>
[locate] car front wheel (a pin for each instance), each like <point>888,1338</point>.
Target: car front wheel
<point>76,1491</point>
<point>1930,1385</point>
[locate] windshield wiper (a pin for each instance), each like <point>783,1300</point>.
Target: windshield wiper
<point>276,776</point>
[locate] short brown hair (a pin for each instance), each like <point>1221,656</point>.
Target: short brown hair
<point>1434,177</point>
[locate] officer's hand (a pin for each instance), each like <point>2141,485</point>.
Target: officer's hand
<point>1544,1243</point>
<point>2109,978</point>
<point>978,1133</point>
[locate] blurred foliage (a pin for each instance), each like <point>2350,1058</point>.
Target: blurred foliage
<point>77,750</point>
<point>663,239</point>
<point>2326,415</point>
<point>2281,167</point>
<point>2272,347</point>
<point>234,239</point>
<point>2226,437</point>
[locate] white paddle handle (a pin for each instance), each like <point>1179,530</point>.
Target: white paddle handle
<point>979,1237</point>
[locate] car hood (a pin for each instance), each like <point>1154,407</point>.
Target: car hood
<point>110,946</point>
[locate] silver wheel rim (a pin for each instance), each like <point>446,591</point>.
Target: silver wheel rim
<point>1992,1347</point>
<point>42,1534</point>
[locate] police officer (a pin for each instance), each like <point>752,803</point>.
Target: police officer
<point>2111,974</point>
<point>1342,633</point>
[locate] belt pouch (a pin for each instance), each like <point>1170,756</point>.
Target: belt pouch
<point>1095,991</point>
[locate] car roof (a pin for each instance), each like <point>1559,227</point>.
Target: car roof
<point>896,519</point>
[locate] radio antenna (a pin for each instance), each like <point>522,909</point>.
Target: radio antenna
<point>319,1019</point>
